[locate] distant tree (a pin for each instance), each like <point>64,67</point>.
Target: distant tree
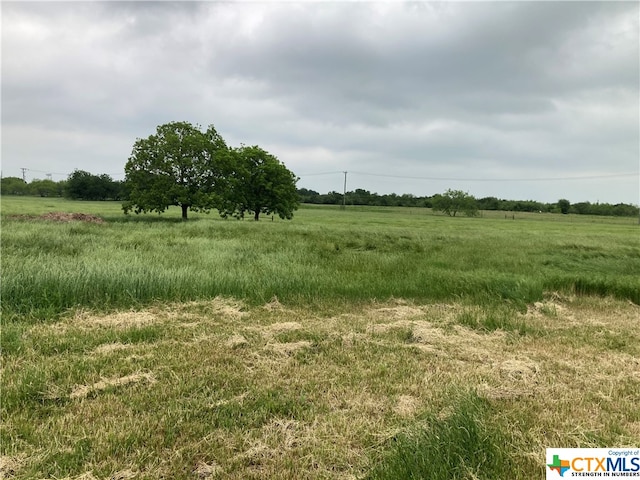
<point>62,188</point>
<point>385,200</point>
<point>107,187</point>
<point>428,202</point>
<point>13,186</point>
<point>45,188</point>
<point>489,203</point>
<point>179,165</point>
<point>360,197</point>
<point>82,185</point>
<point>259,183</point>
<point>79,184</point>
<point>408,200</point>
<point>331,198</point>
<point>564,205</point>
<point>454,201</point>
<point>527,206</point>
<point>308,196</point>
<point>581,208</point>
<point>624,210</point>
<point>601,209</point>
<point>121,189</point>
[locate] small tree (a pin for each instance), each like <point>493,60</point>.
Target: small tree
<point>259,183</point>
<point>179,165</point>
<point>45,188</point>
<point>308,196</point>
<point>13,186</point>
<point>564,205</point>
<point>453,201</point>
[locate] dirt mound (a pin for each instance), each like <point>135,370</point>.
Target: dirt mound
<point>68,217</point>
<point>61,217</point>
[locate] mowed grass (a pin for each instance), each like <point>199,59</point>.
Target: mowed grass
<point>366,343</point>
<point>222,389</point>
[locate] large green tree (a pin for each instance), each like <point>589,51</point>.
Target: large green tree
<point>453,201</point>
<point>259,183</point>
<point>179,165</point>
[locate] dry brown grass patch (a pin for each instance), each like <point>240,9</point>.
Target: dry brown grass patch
<point>126,474</point>
<point>399,312</point>
<point>281,327</point>
<point>273,305</point>
<point>115,320</point>
<point>227,308</point>
<point>9,466</point>
<point>207,470</point>
<point>210,312</point>
<point>504,392</point>
<point>236,341</point>
<point>519,370</point>
<point>85,476</point>
<point>284,432</point>
<point>108,348</point>
<point>82,391</point>
<point>406,406</point>
<point>288,348</point>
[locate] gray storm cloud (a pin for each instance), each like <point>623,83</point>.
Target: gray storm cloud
<point>474,91</point>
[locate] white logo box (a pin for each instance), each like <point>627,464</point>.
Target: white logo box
<point>592,463</point>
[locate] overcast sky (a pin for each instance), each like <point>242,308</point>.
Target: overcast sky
<point>518,100</point>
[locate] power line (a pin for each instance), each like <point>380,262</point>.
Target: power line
<point>458,179</point>
<point>320,173</point>
<point>42,171</point>
<point>410,177</point>
<point>540,179</point>
<point>48,173</point>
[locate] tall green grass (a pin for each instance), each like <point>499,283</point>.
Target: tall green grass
<point>463,445</point>
<point>323,256</point>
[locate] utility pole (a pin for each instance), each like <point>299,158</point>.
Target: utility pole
<point>344,192</point>
<point>24,177</point>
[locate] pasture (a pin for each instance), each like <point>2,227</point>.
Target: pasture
<point>364,343</point>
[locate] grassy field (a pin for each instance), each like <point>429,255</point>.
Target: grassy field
<point>366,343</point>
<point>324,257</point>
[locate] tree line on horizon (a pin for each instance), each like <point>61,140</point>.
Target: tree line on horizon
<point>366,198</point>
<point>82,185</point>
